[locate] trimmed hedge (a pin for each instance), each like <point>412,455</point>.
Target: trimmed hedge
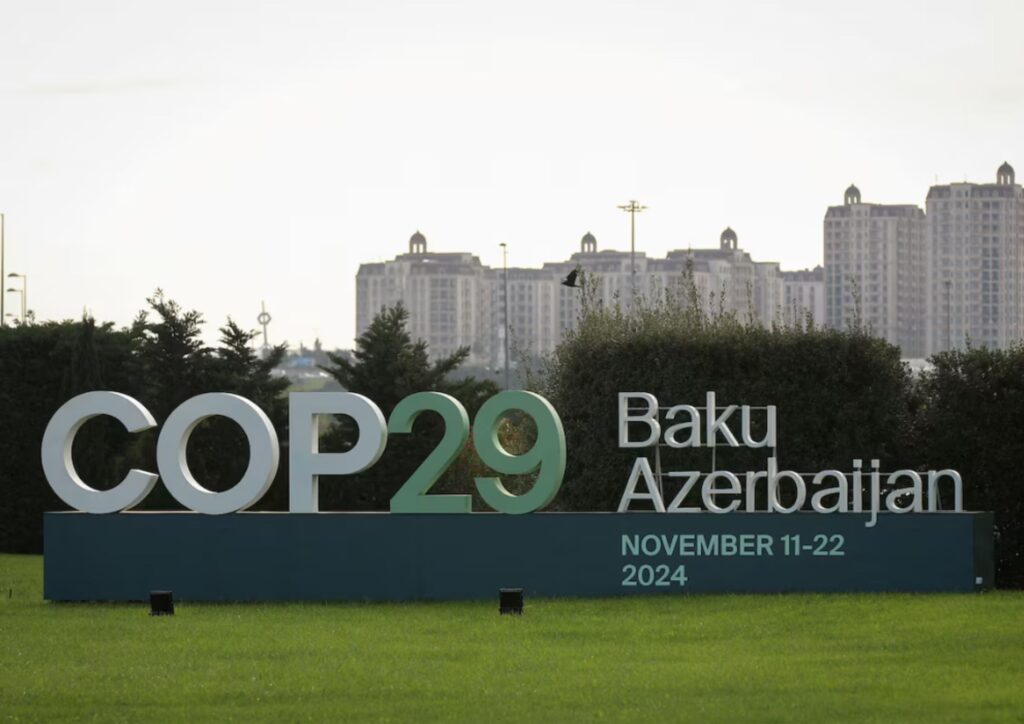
<point>839,396</point>
<point>42,366</point>
<point>972,419</point>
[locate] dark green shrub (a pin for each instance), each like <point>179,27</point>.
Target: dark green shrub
<point>972,420</point>
<point>41,366</point>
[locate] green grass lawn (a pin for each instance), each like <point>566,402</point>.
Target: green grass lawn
<point>704,658</point>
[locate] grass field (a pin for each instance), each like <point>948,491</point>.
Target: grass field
<point>705,658</point>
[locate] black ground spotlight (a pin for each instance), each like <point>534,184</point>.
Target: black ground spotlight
<point>510,600</point>
<point>161,603</point>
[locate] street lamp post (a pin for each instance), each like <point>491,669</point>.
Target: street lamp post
<point>632,208</point>
<point>504,257</point>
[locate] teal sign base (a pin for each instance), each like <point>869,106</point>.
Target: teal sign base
<point>395,557</point>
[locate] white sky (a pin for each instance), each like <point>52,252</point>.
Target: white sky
<point>230,152</point>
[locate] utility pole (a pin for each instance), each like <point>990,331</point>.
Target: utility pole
<point>632,208</point>
<point>504,257</point>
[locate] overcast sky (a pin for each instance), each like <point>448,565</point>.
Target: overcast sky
<point>231,152</point>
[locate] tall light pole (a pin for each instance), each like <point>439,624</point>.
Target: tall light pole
<point>504,262</point>
<point>24,293</point>
<point>632,208</point>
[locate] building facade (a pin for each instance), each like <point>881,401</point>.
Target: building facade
<point>926,280</point>
<point>975,264</point>
<point>448,295</point>
<point>875,270</point>
<point>803,296</point>
<point>726,279</point>
<point>454,300</point>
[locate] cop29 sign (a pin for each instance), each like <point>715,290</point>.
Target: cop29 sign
<point>306,462</point>
<point>442,552</point>
<point>677,426</point>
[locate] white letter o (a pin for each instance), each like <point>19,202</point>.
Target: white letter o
<point>173,442</point>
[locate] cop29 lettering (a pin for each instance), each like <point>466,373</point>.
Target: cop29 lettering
<point>678,426</point>
<point>306,462</point>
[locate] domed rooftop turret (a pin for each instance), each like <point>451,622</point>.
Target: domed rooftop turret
<point>417,243</point>
<point>852,195</point>
<point>728,239</point>
<point>1005,175</point>
<point>588,244</point>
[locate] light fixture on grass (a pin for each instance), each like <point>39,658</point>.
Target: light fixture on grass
<point>161,603</point>
<point>510,600</point>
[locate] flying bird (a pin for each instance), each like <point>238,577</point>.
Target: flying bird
<point>570,281</point>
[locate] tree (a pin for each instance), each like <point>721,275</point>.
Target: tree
<point>170,358</point>
<point>171,364</point>
<point>174,365</point>
<point>971,415</point>
<point>236,368</point>
<point>98,357</point>
<point>387,366</point>
<point>41,367</point>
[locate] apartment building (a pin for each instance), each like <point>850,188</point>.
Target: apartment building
<point>454,300</point>
<point>448,295</point>
<point>803,296</point>
<point>875,270</point>
<point>975,264</point>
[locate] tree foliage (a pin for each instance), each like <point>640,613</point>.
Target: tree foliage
<point>41,366</point>
<point>387,366</point>
<point>160,361</point>
<point>971,419</point>
<point>218,447</point>
<point>173,365</point>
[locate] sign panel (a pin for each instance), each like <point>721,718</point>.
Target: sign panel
<point>398,557</point>
<point>767,529</point>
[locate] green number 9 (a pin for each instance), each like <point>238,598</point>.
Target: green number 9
<point>547,454</point>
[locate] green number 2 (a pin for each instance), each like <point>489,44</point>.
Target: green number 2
<point>411,497</point>
<point>547,455</point>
